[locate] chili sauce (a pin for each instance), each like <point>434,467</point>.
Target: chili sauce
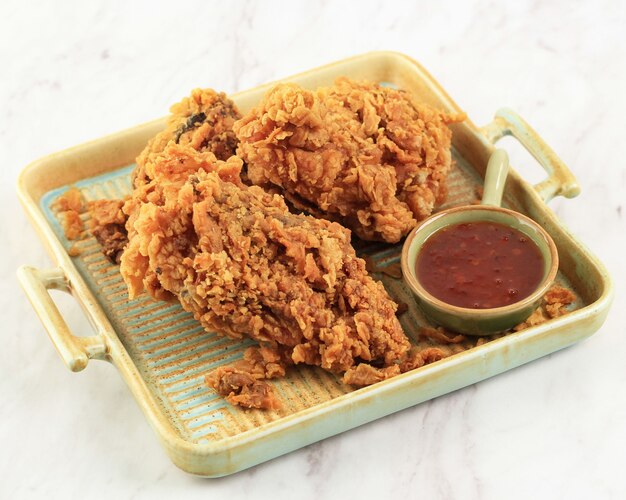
<point>479,265</point>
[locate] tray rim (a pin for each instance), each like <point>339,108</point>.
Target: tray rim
<point>165,430</point>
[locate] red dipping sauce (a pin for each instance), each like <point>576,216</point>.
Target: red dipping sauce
<point>479,265</point>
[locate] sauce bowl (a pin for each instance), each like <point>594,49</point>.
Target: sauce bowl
<point>480,321</point>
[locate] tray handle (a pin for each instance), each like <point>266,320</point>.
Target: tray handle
<point>560,181</point>
<point>75,351</point>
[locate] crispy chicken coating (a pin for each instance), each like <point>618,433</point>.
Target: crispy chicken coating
<point>245,266</point>
<point>203,121</point>
<point>370,157</point>
<point>165,175</point>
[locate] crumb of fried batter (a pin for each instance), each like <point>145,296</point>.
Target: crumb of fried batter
<point>104,212</point>
<point>108,225</point>
<point>554,304</point>
<point>68,207</point>
<point>242,389</point>
<point>441,335</point>
<point>74,251</point>
<point>69,200</point>
<point>370,157</point>
<point>432,354</point>
<point>241,382</point>
<point>537,317</point>
<point>72,224</point>
<point>417,358</point>
<point>402,308</point>
<point>412,361</point>
<point>262,362</point>
<point>557,299</point>
<point>364,374</point>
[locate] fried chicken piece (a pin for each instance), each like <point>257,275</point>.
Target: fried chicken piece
<point>107,224</point>
<point>153,204</point>
<point>291,279</point>
<point>203,121</point>
<point>367,156</point>
<point>245,266</point>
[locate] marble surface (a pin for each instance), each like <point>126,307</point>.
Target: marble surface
<point>73,71</point>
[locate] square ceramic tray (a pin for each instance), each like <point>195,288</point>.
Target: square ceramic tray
<point>163,354</point>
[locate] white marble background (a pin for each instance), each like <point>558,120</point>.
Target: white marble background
<point>73,71</point>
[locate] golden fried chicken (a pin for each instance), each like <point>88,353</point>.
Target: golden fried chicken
<point>165,174</point>
<point>245,266</point>
<point>203,121</point>
<point>367,156</point>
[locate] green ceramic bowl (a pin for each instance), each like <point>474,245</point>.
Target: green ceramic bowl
<point>480,321</point>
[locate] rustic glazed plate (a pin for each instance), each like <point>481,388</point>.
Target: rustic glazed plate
<point>163,354</point>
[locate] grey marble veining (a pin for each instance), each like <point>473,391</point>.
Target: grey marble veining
<point>73,71</point>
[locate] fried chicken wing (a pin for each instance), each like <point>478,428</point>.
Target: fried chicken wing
<point>245,266</point>
<point>370,157</point>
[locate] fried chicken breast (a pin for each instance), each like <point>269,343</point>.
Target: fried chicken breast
<point>201,122</point>
<point>370,157</point>
<point>244,265</point>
